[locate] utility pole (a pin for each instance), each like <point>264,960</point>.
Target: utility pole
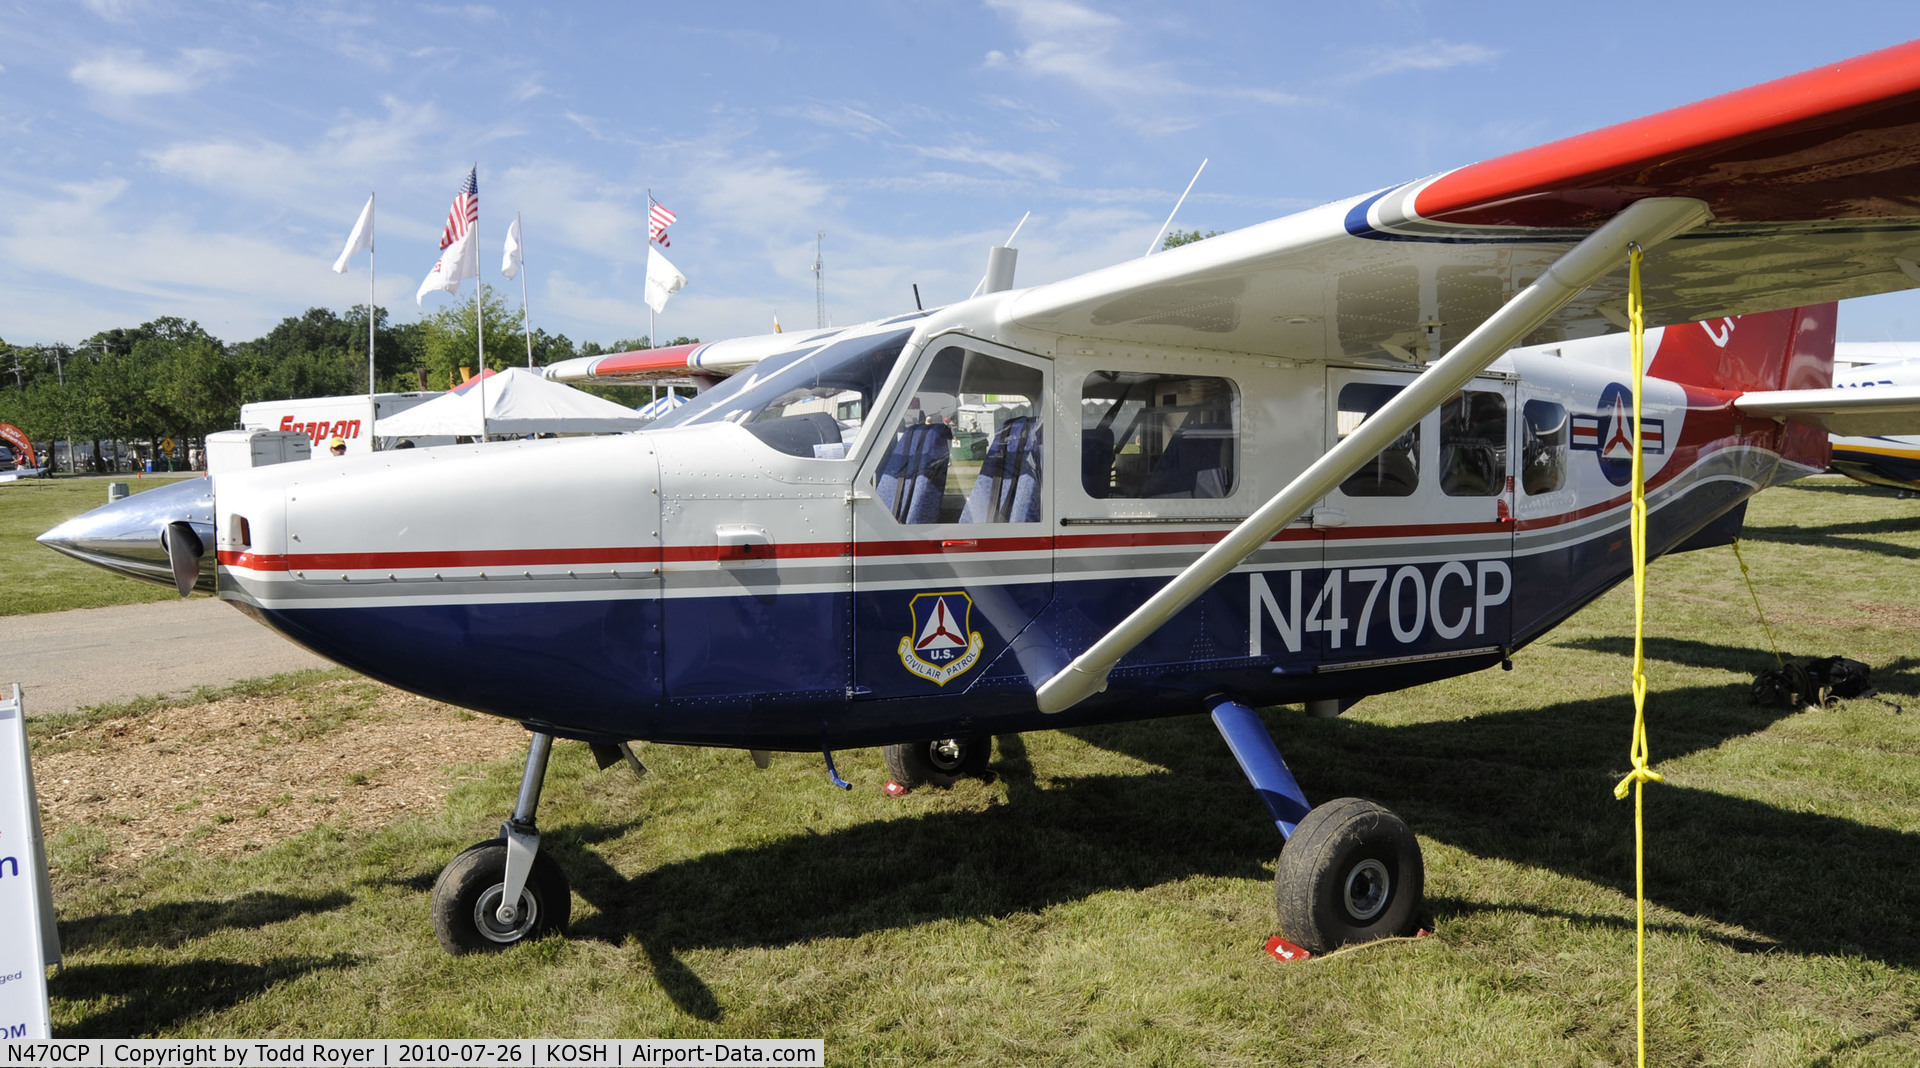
<point>819,283</point>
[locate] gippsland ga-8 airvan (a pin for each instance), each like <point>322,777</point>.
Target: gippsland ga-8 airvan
<point>1360,448</point>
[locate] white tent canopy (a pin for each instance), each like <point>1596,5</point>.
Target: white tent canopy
<point>661,405</point>
<point>518,402</point>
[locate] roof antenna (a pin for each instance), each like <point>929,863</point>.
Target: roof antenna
<point>1155,243</point>
<point>917,306</point>
<point>990,258</point>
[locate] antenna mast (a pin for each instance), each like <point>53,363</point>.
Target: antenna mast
<point>819,284</point>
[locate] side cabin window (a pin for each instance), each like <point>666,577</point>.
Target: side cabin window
<point>1158,436</point>
<point>1545,437</point>
<point>1395,470</point>
<point>1473,444</point>
<point>969,448</point>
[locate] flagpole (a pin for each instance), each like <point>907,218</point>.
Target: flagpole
<point>479,305</point>
<point>526,321</point>
<point>652,337</point>
<point>370,228</point>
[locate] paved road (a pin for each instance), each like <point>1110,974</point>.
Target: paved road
<point>69,660</point>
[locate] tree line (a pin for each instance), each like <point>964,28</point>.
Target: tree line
<point>170,379</point>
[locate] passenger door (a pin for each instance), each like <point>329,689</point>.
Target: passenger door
<point>953,555</point>
<point>1419,542</point>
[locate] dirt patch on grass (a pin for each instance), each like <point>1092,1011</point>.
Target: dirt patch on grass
<point>1891,615</point>
<point>241,772</point>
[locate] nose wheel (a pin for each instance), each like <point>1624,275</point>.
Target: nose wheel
<point>504,891</point>
<point>939,761</point>
<point>467,917</point>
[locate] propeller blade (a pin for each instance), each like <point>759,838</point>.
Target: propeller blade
<point>184,551</point>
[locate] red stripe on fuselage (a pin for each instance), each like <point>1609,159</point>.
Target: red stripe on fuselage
<point>1710,425</point>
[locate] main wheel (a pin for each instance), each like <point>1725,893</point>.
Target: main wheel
<point>466,901</point>
<point>939,761</point>
<point>1351,873</point>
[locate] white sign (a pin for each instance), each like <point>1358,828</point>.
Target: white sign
<point>25,949</point>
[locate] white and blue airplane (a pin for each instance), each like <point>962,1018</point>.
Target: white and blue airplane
<point>1356,449</point>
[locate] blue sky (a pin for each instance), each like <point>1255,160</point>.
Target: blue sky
<point>207,159</point>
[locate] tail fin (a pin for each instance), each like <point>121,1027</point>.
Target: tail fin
<point>1790,349</point>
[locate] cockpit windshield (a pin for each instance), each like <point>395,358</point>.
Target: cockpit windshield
<point>811,402</point>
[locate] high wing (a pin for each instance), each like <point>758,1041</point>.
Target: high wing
<point>1798,191</point>
<point>717,359</point>
<point>710,360</point>
<point>1813,182</point>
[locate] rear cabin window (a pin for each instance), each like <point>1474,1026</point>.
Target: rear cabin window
<point>969,449</point>
<point>1545,436</point>
<point>1395,470</point>
<point>1158,436</point>
<point>1473,444</point>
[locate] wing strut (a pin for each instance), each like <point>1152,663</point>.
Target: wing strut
<point>1646,222</point>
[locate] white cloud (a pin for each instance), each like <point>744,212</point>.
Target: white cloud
<point>115,10</point>
<point>1094,52</point>
<point>125,72</point>
<point>1433,55</point>
<point>756,196</point>
<point>1019,164</point>
<point>1026,116</point>
<point>236,285</point>
<point>345,155</point>
<point>841,117</point>
<point>561,203</point>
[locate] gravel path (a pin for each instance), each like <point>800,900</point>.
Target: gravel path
<point>69,660</point>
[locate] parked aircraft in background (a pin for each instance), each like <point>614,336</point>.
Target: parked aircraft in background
<point>1887,459</point>
<point>1293,463</point>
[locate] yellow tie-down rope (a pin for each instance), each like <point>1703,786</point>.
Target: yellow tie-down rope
<point>1641,773</point>
<point>1755,594</point>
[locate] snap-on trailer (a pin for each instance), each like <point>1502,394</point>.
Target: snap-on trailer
<point>324,418</point>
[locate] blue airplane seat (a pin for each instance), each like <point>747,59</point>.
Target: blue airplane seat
<point>919,463</point>
<point>1008,489</point>
<point>1198,459</point>
<point>1096,461</point>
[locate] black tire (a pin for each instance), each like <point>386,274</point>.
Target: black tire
<point>1351,873</point>
<point>468,891</point>
<point>939,761</point>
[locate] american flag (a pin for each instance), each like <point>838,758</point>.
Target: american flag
<point>465,211</point>
<point>658,219</point>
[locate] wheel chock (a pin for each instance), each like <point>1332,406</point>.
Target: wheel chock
<point>894,789</point>
<point>1284,951</point>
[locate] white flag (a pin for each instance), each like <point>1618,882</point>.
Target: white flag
<point>458,262</point>
<point>663,280</point>
<point>361,238</point>
<point>510,263</point>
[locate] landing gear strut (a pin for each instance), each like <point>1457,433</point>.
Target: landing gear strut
<point>504,891</point>
<point>1350,871</point>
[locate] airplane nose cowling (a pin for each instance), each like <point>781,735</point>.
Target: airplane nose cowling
<point>130,536</point>
<point>515,578</point>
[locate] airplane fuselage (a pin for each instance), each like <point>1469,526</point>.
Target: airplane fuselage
<point>784,577</point>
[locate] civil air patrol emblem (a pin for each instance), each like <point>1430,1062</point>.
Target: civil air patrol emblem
<point>1609,432</point>
<point>943,644</point>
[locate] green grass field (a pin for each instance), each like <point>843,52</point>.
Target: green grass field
<point>33,577</point>
<point>1106,898</point>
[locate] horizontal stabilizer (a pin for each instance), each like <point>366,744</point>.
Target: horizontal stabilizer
<point>1854,411</point>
